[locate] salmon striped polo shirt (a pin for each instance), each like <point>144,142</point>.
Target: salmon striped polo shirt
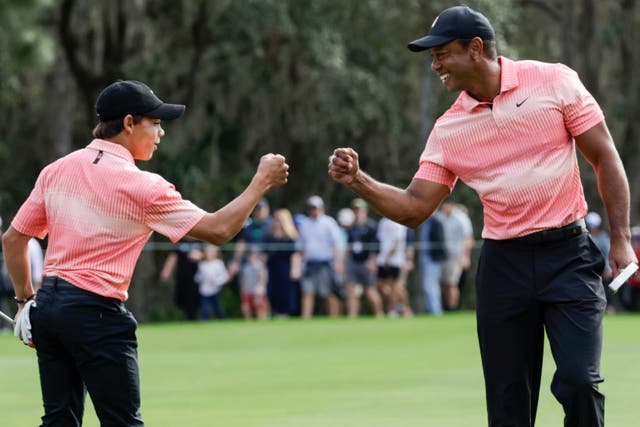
<point>518,153</point>
<point>99,210</point>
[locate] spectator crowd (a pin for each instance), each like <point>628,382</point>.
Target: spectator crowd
<point>312,263</point>
<point>286,265</point>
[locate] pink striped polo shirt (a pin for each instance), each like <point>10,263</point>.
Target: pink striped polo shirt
<point>99,210</point>
<point>519,153</point>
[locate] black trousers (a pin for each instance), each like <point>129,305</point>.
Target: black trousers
<point>522,290</point>
<point>85,342</point>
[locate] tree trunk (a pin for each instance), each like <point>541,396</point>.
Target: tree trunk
<point>567,32</point>
<point>629,149</point>
<point>587,35</point>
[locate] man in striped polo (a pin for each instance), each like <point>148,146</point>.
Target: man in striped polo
<point>511,135</point>
<point>99,210</point>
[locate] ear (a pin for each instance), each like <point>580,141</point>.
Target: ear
<point>476,48</point>
<point>127,123</point>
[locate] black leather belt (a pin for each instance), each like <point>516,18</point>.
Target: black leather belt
<point>57,282</point>
<point>555,234</point>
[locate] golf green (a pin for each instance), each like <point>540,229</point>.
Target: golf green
<point>422,371</point>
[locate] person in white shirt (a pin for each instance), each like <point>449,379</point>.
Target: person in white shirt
<point>320,240</point>
<point>36,258</point>
<point>392,257</point>
<point>211,276</point>
<point>458,241</point>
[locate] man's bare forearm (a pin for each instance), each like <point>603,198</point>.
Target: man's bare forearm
<point>614,191</point>
<point>409,207</point>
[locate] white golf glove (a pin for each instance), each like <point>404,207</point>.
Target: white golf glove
<point>22,328</point>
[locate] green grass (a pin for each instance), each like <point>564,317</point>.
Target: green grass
<point>345,373</point>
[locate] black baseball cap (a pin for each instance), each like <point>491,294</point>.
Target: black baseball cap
<point>459,22</point>
<point>136,98</point>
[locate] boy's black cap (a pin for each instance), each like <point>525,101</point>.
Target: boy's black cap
<point>136,98</point>
<point>459,22</point>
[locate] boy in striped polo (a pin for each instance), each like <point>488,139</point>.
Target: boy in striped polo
<point>511,135</point>
<point>98,210</point>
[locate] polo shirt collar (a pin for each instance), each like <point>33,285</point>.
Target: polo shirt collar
<point>111,148</point>
<point>508,81</point>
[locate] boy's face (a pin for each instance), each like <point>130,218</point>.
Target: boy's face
<point>145,137</point>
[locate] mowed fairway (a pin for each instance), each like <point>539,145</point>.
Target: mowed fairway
<point>345,373</point>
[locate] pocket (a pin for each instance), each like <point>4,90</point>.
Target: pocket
<point>44,296</point>
<point>118,322</point>
<point>33,319</point>
<point>595,256</point>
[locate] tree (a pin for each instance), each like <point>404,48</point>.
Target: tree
<point>26,53</point>
<point>298,77</point>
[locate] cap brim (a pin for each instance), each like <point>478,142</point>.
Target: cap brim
<point>427,42</point>
<point>166,112</point>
